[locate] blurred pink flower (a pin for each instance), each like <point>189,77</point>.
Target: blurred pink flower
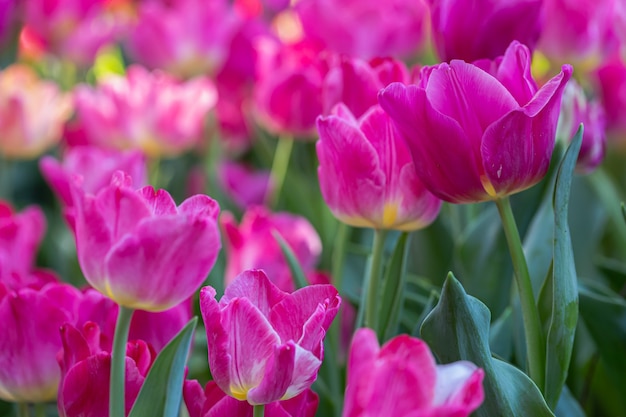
<point>483,29</point>
<point>402,379</point>
<point>7,18</point>
<point>187,38</point>
<point>32,113</point>
<point>145,110</point>
<point>478,131</point>
<point>86,368</point>
<point>246,187</point>
<point>365,28</point>
<point>610,79</point>
<point>95,166</point>
<point>356,83</point>
<point>251,245</point>
<point>367,175</point>
<point>29,340</point>
<point>266,345</point>
<point>141,250</point>
<point>213,402</point>
<point>576,108</point>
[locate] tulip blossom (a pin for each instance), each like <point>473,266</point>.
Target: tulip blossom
<point>611,81</point>
<point>84,388</point>
<point>95,166</point>
<point>187,38</point>
<point>29,340</point>
<point>366,173</point>
<point>213,402</point>
<point>401,379</point>
<point>356,83</point>
<point>7,18</point>
<point>32,113</point>
<point>145,110</point>
<point>252,245</point>
<point>471,30</point>
<point>577,109</point>
<point>243,185</point>
<point>478,131</point>
<point>264,344</point>
<point>141,250</point>
<point>365,28</point>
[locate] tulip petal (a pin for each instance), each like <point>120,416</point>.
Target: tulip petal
<point>277,377</point>
<point>304,373</point>
<point>195,398</point>
<point>517,148</point>
<point>443,165</point>
<point>257,288</point>
<point>514,72</point>
<point>160,201</point>
<point>459,387</point>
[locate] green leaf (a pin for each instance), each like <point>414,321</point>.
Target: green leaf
<point>297,273</point>
<point>458,329</point>
<point>393,289</point>
<point>162,389</point>
<point>560,289</point>
<point>501,335</point>
<point>568,406</point>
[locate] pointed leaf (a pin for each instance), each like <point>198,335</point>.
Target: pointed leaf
<point>561,287</point>
<point>393,288</point>
<point>162,390</point>
<point>297,274</point>
<point>458,329</point>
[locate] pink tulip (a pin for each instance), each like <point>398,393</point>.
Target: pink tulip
<point>366,173</point>
<point>32,113</point>
<point>29,340</point>
<point>252,245</point>
<point>145,110</point>
<point>74,29</point>
<point>582,31</point>
<point>7,18</point>
<point>611,81</point>
<point>187,38</point>
<point>401,379</point>
<point>264,344</point>
<point>288,92</point>
<point>139,249</point>
<point>483,29</point>
<point>246,187</point>
<point>576,108</point>
<point>95,166</point>
<point>84,389</point>
<point>356,83</point>
<point>213,402</point>
<point>365,28</point>
<point>478,131</point>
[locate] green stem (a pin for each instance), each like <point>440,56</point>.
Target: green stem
<point>373,280</point>
<point>5,178</point>
<point>154,171</point>
<point>118,363</point>
<point>40,409</point>
<point>259,410</point>
<point>23,410</point>
<point>532,326</point>
<point>282,155</point>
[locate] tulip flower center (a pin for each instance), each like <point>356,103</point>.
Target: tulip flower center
<point>488,186</point>
<point>239,393</point>
<point>390,213</point>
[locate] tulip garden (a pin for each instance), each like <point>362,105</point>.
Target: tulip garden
<point>332,208</point>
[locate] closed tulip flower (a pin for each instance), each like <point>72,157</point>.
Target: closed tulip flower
<point>266,345</point>
<point>478,131</point>
<point>141,250</point>
<point>402,379</point>
<point>366,173</point>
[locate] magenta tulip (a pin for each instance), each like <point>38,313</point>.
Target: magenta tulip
<point>401,379</point>
<point>367,175</point>
<point>139,249</point>
<point>264,344</point>
<point>245,186</point>
<point>30,341</point>
<point>252,245</point>
<point>213,402</point>
<point>611,81</point>
<point>84,389</point>
<point>483,29</point>
<point>478,131</point>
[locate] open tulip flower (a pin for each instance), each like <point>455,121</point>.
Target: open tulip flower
<point>478,131</point>
<point>367,175</point>
<point>401,379</point>
<point>139,249</point>
<point>266,345</point>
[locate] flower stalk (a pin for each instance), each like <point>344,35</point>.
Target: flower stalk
<point>118,362</point>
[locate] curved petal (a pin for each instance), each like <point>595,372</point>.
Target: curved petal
<point>195,398</point>
<point>277,376</point>
<point>304,372</point>
<point>514,72</point>
<point>459,387</point>
<point>438,145</point>
<point>257,288</point>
